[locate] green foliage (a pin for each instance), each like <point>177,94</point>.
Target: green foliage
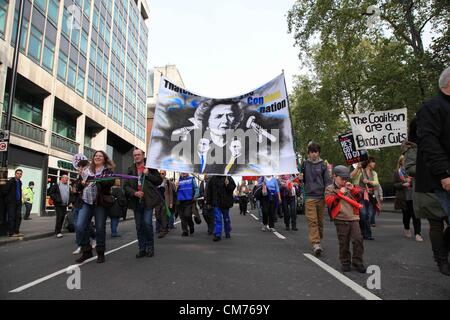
<point>354,68</point>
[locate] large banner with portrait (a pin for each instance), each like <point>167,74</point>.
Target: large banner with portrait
<point>247,135</point>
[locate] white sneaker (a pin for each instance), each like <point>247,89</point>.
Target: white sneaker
<point>419,238</point>
<point>59,235</point>
<point>94,244</point>
<point>77,251</point>
<point>272,229</point>
<point>263,228</point>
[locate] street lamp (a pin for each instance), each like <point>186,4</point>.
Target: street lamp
<point>12,90</point>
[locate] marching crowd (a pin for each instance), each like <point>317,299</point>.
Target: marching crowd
<point>351,196</point>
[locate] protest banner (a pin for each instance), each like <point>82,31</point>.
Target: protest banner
<point>380,129</point>
<point>248,135</point>
<point>349,150</point>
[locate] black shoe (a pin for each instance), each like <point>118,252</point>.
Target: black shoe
<point>185,234</point>
<point>287,228</point>
<point>162,234</point>
<point>346,268</point>
<point>210,233</point>
<point>150,252</point>
<point>86,254</point>
<point>228,236</point>
<point>100,255</point>
<point>191,231</point>
<point>359,267</point>
<point>294,229</point>
<point>216,238</point>
<point>141,254</point>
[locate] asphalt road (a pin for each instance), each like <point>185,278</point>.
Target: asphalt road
<point>251,265</point>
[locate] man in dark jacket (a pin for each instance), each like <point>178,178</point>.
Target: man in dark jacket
<point>144,197</point>
<point>60,194</point>
<point>13,200</point>
<point>433,163</point>
<point>207,211</point>
<point>220,198</point>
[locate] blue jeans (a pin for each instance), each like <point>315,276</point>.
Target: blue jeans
<point>172,221</point>
<point>144,226</point>
<point>444,200</point>
<point>367,211</point>
<point>218,213</point>
<point>83,223</point>
<point>114,225</point>
<point>259,209</point>
<point>90,229</point>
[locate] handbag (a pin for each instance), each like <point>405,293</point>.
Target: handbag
<point>107,200</point>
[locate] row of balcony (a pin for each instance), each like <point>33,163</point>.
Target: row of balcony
<point>32,132</point>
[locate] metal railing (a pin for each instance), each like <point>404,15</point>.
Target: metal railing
<point>26,129</point>
<point>64,144</point>
<point>89,152</point>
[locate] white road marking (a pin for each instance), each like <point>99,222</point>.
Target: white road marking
<point>256,218</point>
<point>279,235</point>
<point>366,294</point>
<point>57,273</point>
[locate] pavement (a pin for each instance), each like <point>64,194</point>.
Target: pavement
<point>37,228</point>
<point>252,265</point>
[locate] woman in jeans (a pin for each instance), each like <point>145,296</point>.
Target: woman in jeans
<point>365,176</point>
<point>96,200</point>
<point>404,199</point>
<point>269,202</point>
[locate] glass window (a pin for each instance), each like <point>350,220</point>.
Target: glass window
<point>23,37</point>
<point>83,43</point>
<point>90,90</point>
<point>3,13</point>
<point>103,101</point>
<point>65,25</point>
<point>97,96</point>
<point>71,76</point>
<point>95,19</point>
<point>47,57</point>
<point>62,66</point>
<point>75,37</point>
<point>35,44</point>
<point>53,6</point>
<point>80,82</point>
<point>41,4</point>
<point>87,7</point>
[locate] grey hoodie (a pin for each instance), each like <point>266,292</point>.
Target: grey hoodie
<point>316,179</point>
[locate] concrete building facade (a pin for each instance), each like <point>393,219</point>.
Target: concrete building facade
<point>81,85</point>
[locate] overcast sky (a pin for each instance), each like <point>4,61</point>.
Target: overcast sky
<point>223,48</point>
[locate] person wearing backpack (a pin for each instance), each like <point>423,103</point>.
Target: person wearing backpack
<point>316,178</point>
<point>187,191</point>
<point>116,210</point>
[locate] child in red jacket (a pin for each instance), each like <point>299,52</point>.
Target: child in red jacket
<point>342,200</point>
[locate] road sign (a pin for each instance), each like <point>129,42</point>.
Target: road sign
<point>3,146</point>
<point>4,135</point>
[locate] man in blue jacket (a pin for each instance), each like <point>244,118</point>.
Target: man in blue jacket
<point>187,191</point>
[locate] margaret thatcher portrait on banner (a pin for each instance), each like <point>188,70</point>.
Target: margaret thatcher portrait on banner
<point>222,136</point>
<point>245,135</point>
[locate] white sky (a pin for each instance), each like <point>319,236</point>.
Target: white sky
<point>223,48</point>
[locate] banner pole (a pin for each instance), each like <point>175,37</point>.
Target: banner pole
<point>290,116</point>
